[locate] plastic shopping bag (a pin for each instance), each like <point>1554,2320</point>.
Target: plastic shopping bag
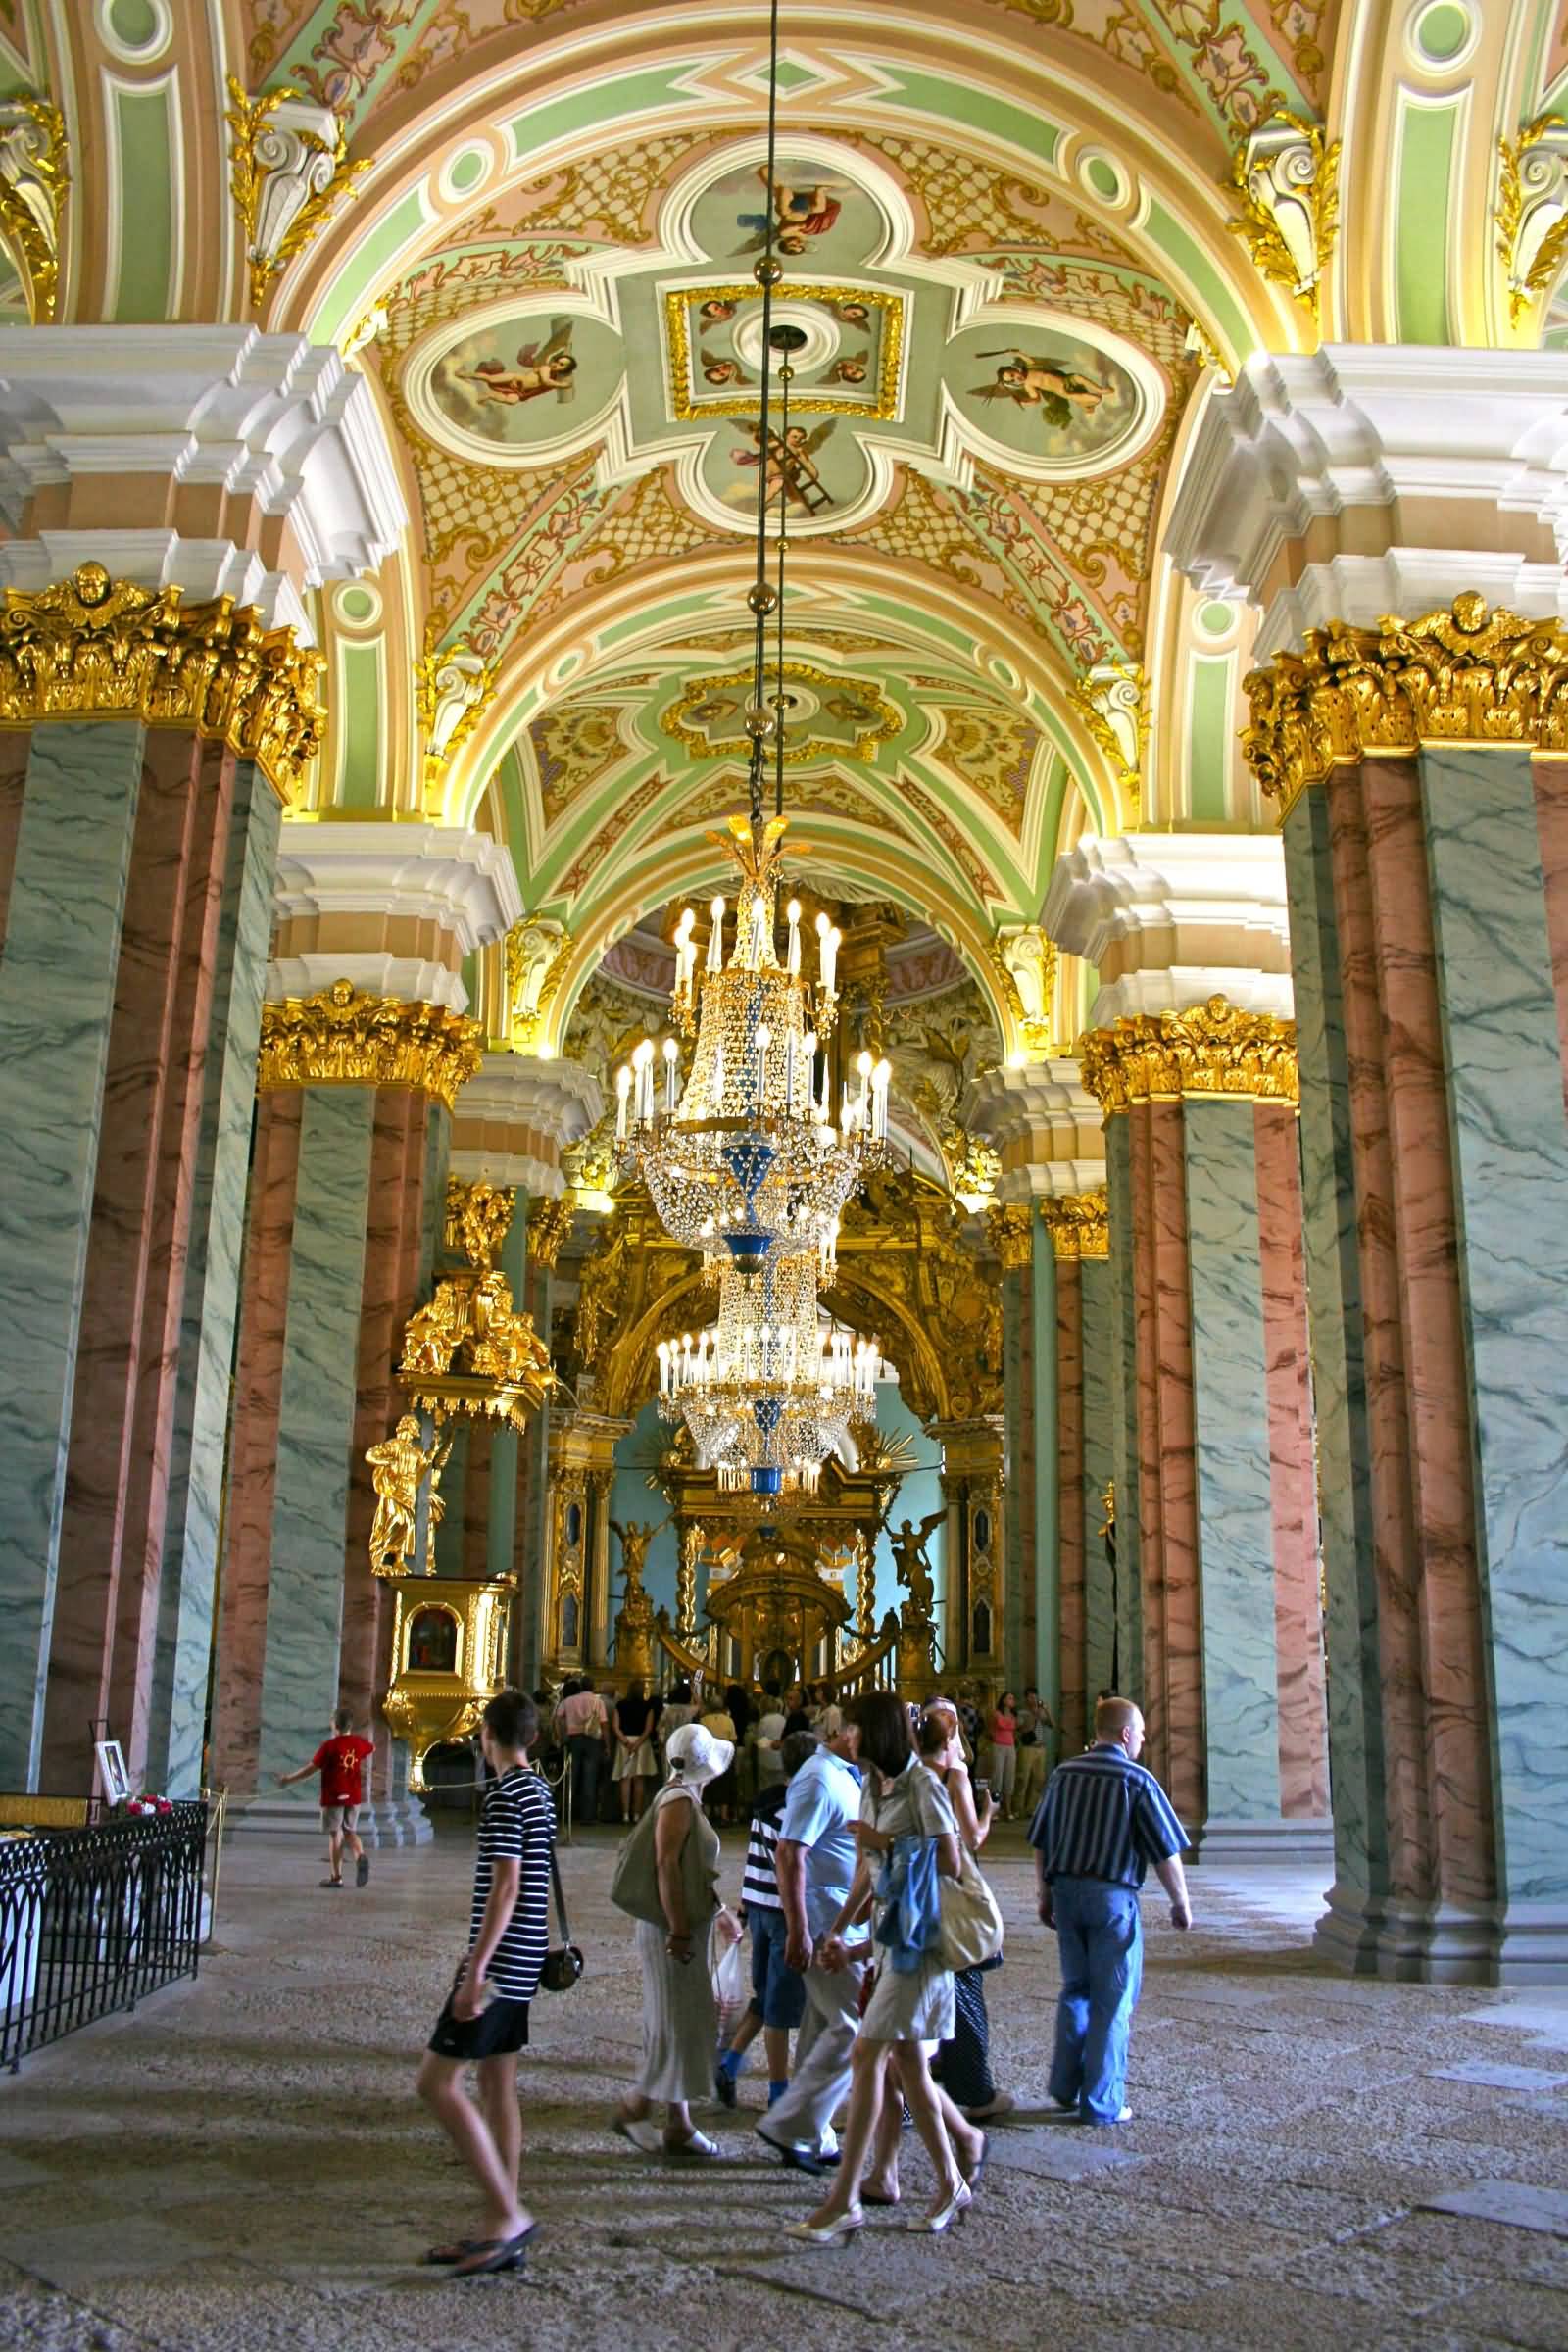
<point>732,1980</point>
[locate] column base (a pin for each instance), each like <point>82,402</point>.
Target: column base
<point>1290,1844</point>
<point>1533,1947</point>
<point>1366,1934</point>
<point>395,1821</point>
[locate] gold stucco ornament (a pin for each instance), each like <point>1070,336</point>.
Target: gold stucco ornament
<point>1465,673</point>
<point>1007,1230</point>
<point>33,181</point>
<point>1214,1048</point>
<point>289,165</point>
<point>344,1037</point>
<point>469,1354</point>
<point>1079,1223</point>
<point>94,647</point>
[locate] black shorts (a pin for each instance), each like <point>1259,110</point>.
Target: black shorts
<point>500,2028</point>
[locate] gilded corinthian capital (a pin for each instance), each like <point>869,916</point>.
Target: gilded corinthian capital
<point>1463,675</point>
<point>340,1037</point>
<point>1079,1223</point>
<point>1210,1050</point>
<point>1007,1228</point>
<point>92,647</point>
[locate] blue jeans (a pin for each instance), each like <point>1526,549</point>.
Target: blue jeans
<point>778,1992</point>
<point>1100,1934</point>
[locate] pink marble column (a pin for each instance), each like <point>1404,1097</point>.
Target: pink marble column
<point>1387,1426</point>
<point>1551,818</point>
<point>1455,1754</point>
<point>253,1455</point>
<point>117,1486</point>
<point>1298,1612</point>
<point>1173,1677</point>
<point>1072,1624</point>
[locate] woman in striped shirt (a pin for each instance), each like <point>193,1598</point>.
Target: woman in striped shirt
<point>485,2020</point>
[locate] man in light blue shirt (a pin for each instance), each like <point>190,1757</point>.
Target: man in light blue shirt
<point>816,1860</point>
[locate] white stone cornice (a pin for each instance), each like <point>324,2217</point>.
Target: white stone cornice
<point>558,1099</point>
<point>465,882</point>
<point>410,979</point>
<point>1045,1127</point>
<point>273,418</point>
<point>1466,451</point>
<point>1170,919</point>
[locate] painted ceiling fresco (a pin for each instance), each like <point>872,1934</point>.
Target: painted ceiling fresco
<point>1216,64</point>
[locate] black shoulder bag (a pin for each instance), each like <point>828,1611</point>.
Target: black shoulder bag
<point>563,1962</point>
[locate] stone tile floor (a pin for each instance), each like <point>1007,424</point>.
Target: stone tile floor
<point>239,2166</point>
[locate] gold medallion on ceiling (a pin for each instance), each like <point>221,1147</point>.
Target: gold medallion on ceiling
<point>710,717</point>
<point>1466,674</point>
<point>1210,1050</point>
<point>1079,1223</point>
<point>340,1037</point>
<point>92,647</point>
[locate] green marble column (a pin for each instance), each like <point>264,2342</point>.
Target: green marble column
<point>299,1664</point>
<point>64,906</point>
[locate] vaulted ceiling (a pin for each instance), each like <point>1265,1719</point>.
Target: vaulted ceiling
<point>1009,233</point>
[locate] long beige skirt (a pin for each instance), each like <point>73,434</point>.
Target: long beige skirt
<point>680,2024</point>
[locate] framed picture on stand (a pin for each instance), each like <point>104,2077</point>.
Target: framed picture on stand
<point>114,1780</point>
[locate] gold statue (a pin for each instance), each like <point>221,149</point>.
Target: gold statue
<point>397,1466</point>
<point>913,1568</point>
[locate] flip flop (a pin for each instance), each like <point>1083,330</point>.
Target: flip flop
<point>499,2254</point>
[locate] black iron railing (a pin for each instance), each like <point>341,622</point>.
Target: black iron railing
<point>93,1919</point>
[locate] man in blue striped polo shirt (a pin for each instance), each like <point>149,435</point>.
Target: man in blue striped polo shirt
<point>1101,1821</point>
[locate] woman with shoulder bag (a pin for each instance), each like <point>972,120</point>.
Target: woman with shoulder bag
<point>962,2064</point>
<point>680,2024</point>
<point>904,1814</point>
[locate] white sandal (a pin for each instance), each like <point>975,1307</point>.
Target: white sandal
<point>697,2149</point>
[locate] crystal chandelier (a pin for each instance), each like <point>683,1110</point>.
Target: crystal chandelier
<point>747,1158</point>
<point>771,1389</point>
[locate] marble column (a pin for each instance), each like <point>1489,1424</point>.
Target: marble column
<point>1031,1583</point>
<point>118,1617</point>
<point>1078,1277</point>
<point>1406,722</point>
<point>64,907</point>
<point>514,1122</point>
<point>1205,1214</point>
<point>1437,1155</point>
<point>338,1256</point>
<point>1046,1131</point>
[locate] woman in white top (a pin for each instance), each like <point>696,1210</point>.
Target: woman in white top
<point>909,2010</point>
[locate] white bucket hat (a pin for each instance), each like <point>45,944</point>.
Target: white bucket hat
<point>696,1757</point>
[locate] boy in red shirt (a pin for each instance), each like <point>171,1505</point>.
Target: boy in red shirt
<point>340,1761</point>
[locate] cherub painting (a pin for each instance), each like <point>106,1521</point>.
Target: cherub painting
<point>798,213</point>
<point>790,465</point>
<point>540,367</point>
<point>1033,381</point>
